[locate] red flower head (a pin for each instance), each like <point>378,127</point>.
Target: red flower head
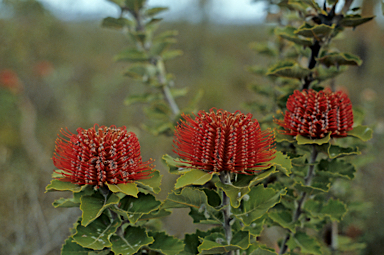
<point>315,114</point>
<point>218,141</point>
<point>100,155</point>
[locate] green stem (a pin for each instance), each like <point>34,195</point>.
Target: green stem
<point>225,178</point>
<point>300,203</point>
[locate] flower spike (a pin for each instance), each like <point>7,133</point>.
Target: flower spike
<point>218,141</point>
<point>314,114</point>
<point>100,155</point>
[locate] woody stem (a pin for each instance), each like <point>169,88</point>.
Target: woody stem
<point>225,178</point>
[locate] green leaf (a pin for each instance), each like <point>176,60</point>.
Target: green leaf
<point>141,72</point>
<point>152,183</point>
<point>284,138</point>
<point>306,243</point>
<point>57,185</point>
<point>284,219</point>
<point>93,206</point>
<point>317,31</point>
<point>72,248</point>
<point>301,140</point>
<point>155,214</point>
<point>116,23</point>
<point>337,168</point>
<point>256,227</point>
<point>191,243</point>
<point>264,48</point>
<point>339,59</point>
<point>262,250</point>
<point>129,189</point>
<point>133,239</point>
<point>323,73</point>
<point>188,197</point>
<point>96,235</point>
<point>348,244</point>
<point>354,20</point>
<point>234,193</point>
<point>175,166</point>
<point>165,244</point>
<point>334,209</point>
<point>257,70</point>
<point>193,177</point>
<point>171,54</point>
<point>154,11</point>
<point>260,201</point>
<point>134,208</point>
<point>282,163</point>
<point>65,203</point>
<point>135,5</point>
<point>144,98</point>
<point>133,55</point>
<point>288,69</point>
<point>364,133</point>
<point>288,33</point>
<point>215,243</point>
<point>335,151</point>
<point>160,46</point>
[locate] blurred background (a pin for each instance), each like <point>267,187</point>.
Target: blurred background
<point>57,71</point>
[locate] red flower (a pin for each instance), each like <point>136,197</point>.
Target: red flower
<point>222,141</point>
<point>315,114</point>
<point>100,155</point>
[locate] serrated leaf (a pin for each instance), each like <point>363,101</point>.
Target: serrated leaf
<point>323,73</point>
<point>152,183</point>
<point>155,214</point>
<point>191,243</point>
<point>301,140</point>
<point>210,245</point>
<point>306,243</point>
<point>284,219</point>
<point>354,20</point>
<point>116,23</point>
<point>317,31</point>
<point>260,201</point>
<point>144,98</point>
<point>338,168</point>
<point>262,250</point>
<point>234,193</point>
<point>339,59</point>
<point>257,70</point>
<point>129,189</point>
<point>334,209</point>
<point>256,227</point>
<point>193,177</point>
<point>96,235</point>
<point>335,151</point>
<point>65,203</point>
<point>154,11</point>
<point>364,133</point>
<point>188,197</point>
<point>93,206</point>
<point>133,239</point>
<point>73,248</point>
<point>134,208</point>
<point>165,244</point>
<point>288,69</point>
<point>288,33</point>
<point>282,163</point>
<point>57,185</point>
<point>175,166</point>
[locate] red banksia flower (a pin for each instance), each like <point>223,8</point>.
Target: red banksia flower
<point>100,155</point>
<point>315,114</point>
<point>218,141</point>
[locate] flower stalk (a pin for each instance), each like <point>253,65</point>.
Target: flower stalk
<point>225,178</point>
<point>300,203</point>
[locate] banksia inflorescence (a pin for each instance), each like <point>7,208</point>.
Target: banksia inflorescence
<point>217,141</point>
<point>100,155</point>
<point>314,114</point>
